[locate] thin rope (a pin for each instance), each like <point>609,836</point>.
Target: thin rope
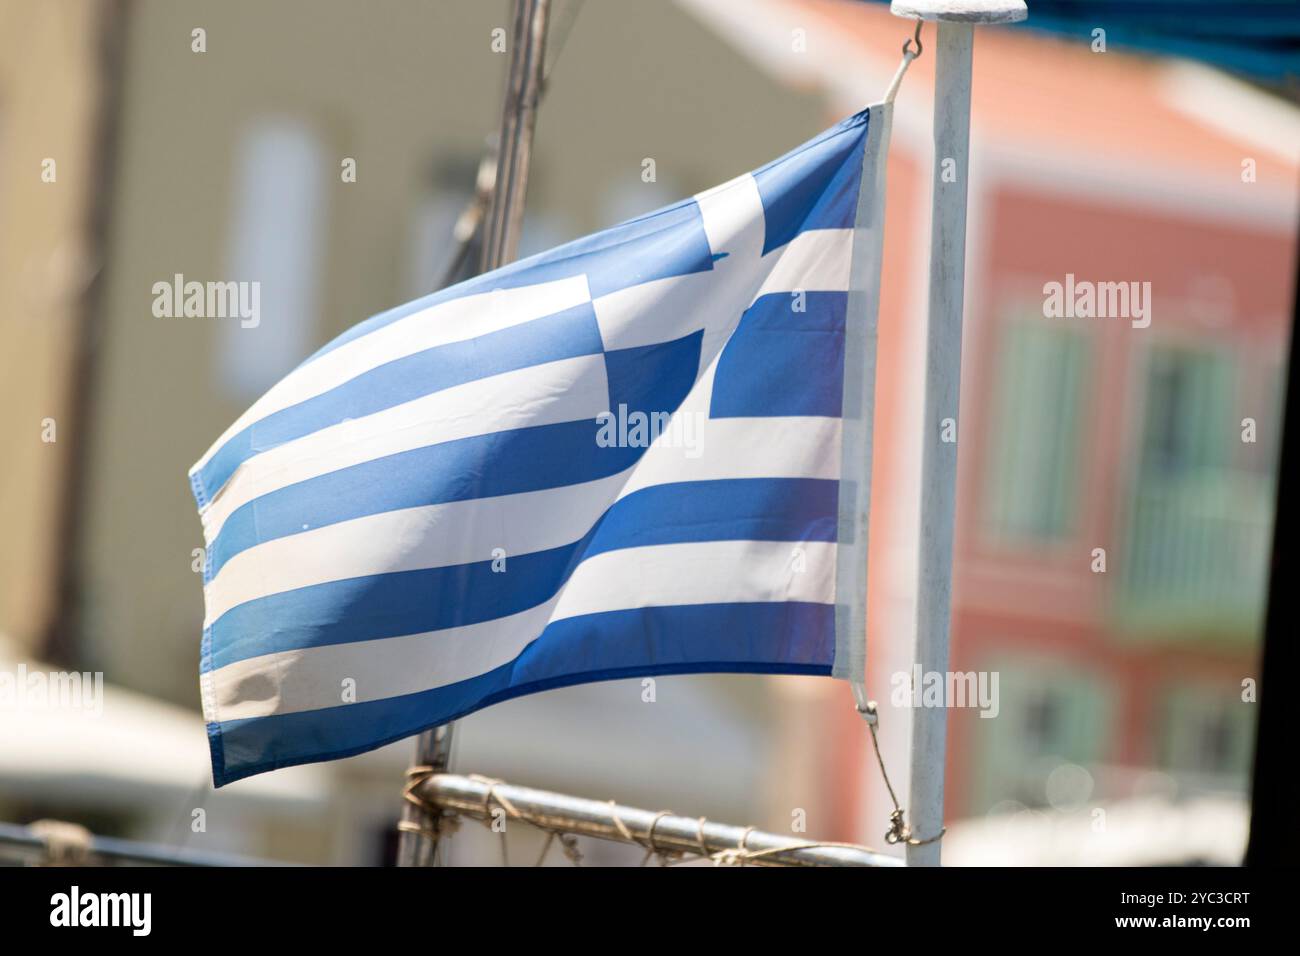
<point>560,36</point>
<point>445,823</point>
<point>569,846</point>
<point>898,831</point>
<point>618,822</point>
<point>627,834</point>
<point>739,855</point>
<point>489,794</point>
<point>414,777</point>
<point>735,857</point>
<point>550,838</point>
<point>908,57</point>
<point>663,856</point>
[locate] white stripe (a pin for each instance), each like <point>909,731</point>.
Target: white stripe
<point>814,261</point>
<point>666,309</point>
<point>663,575</point>
<point>462,532</point>
<point>734,218</point>
<point>568,390</point>
<point>457,532</point>
<point>442,324</point>
<point>746,448</point>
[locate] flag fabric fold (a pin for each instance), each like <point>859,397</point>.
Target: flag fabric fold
<point>644,452</point>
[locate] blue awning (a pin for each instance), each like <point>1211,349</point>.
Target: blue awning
<point>1259,39</point>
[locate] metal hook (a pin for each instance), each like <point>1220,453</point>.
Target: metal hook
<point>907,44</point>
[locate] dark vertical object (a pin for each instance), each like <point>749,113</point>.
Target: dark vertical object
<point>1275,790</point>
<point>62,628</point>
<point>515,144</point>
<point>418,845</point>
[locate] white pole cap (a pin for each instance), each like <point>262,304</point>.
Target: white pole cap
<point>961,11</point>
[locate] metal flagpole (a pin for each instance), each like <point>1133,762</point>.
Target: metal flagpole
<point>956,20</point>
<point>518,118</point>
<point>418,844</point>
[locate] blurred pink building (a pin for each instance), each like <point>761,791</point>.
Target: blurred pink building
<point>1149,437</point>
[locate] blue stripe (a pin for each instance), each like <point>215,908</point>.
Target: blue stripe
<point>814,186</point>
<point>774,343</point>
<point>652,378</point>
<point>502,463</point>
<point>774,638</point>
<point>566,334</point>
<point>413,602</point>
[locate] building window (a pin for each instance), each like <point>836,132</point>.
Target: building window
<point>1187,400</point>
<point>276,239</point>
<point>438,258</point>
<point>1207,736</point>
<point>1049,715</point>
<point>1042,721</point>
<point>1032,478</point>
<point>1197,527</point>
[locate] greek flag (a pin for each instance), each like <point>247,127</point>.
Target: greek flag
<point>644,452</point>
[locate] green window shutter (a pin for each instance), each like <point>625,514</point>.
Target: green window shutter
<point>1198,523</point>
<point>1208,733</point>
<point>1048,715</point>
<point>1031,488</point>
<point>1189,402</point>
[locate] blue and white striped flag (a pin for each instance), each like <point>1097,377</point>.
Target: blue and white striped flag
<point>644,452</point>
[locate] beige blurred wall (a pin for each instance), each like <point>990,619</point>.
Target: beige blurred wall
<point>48,99</point>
